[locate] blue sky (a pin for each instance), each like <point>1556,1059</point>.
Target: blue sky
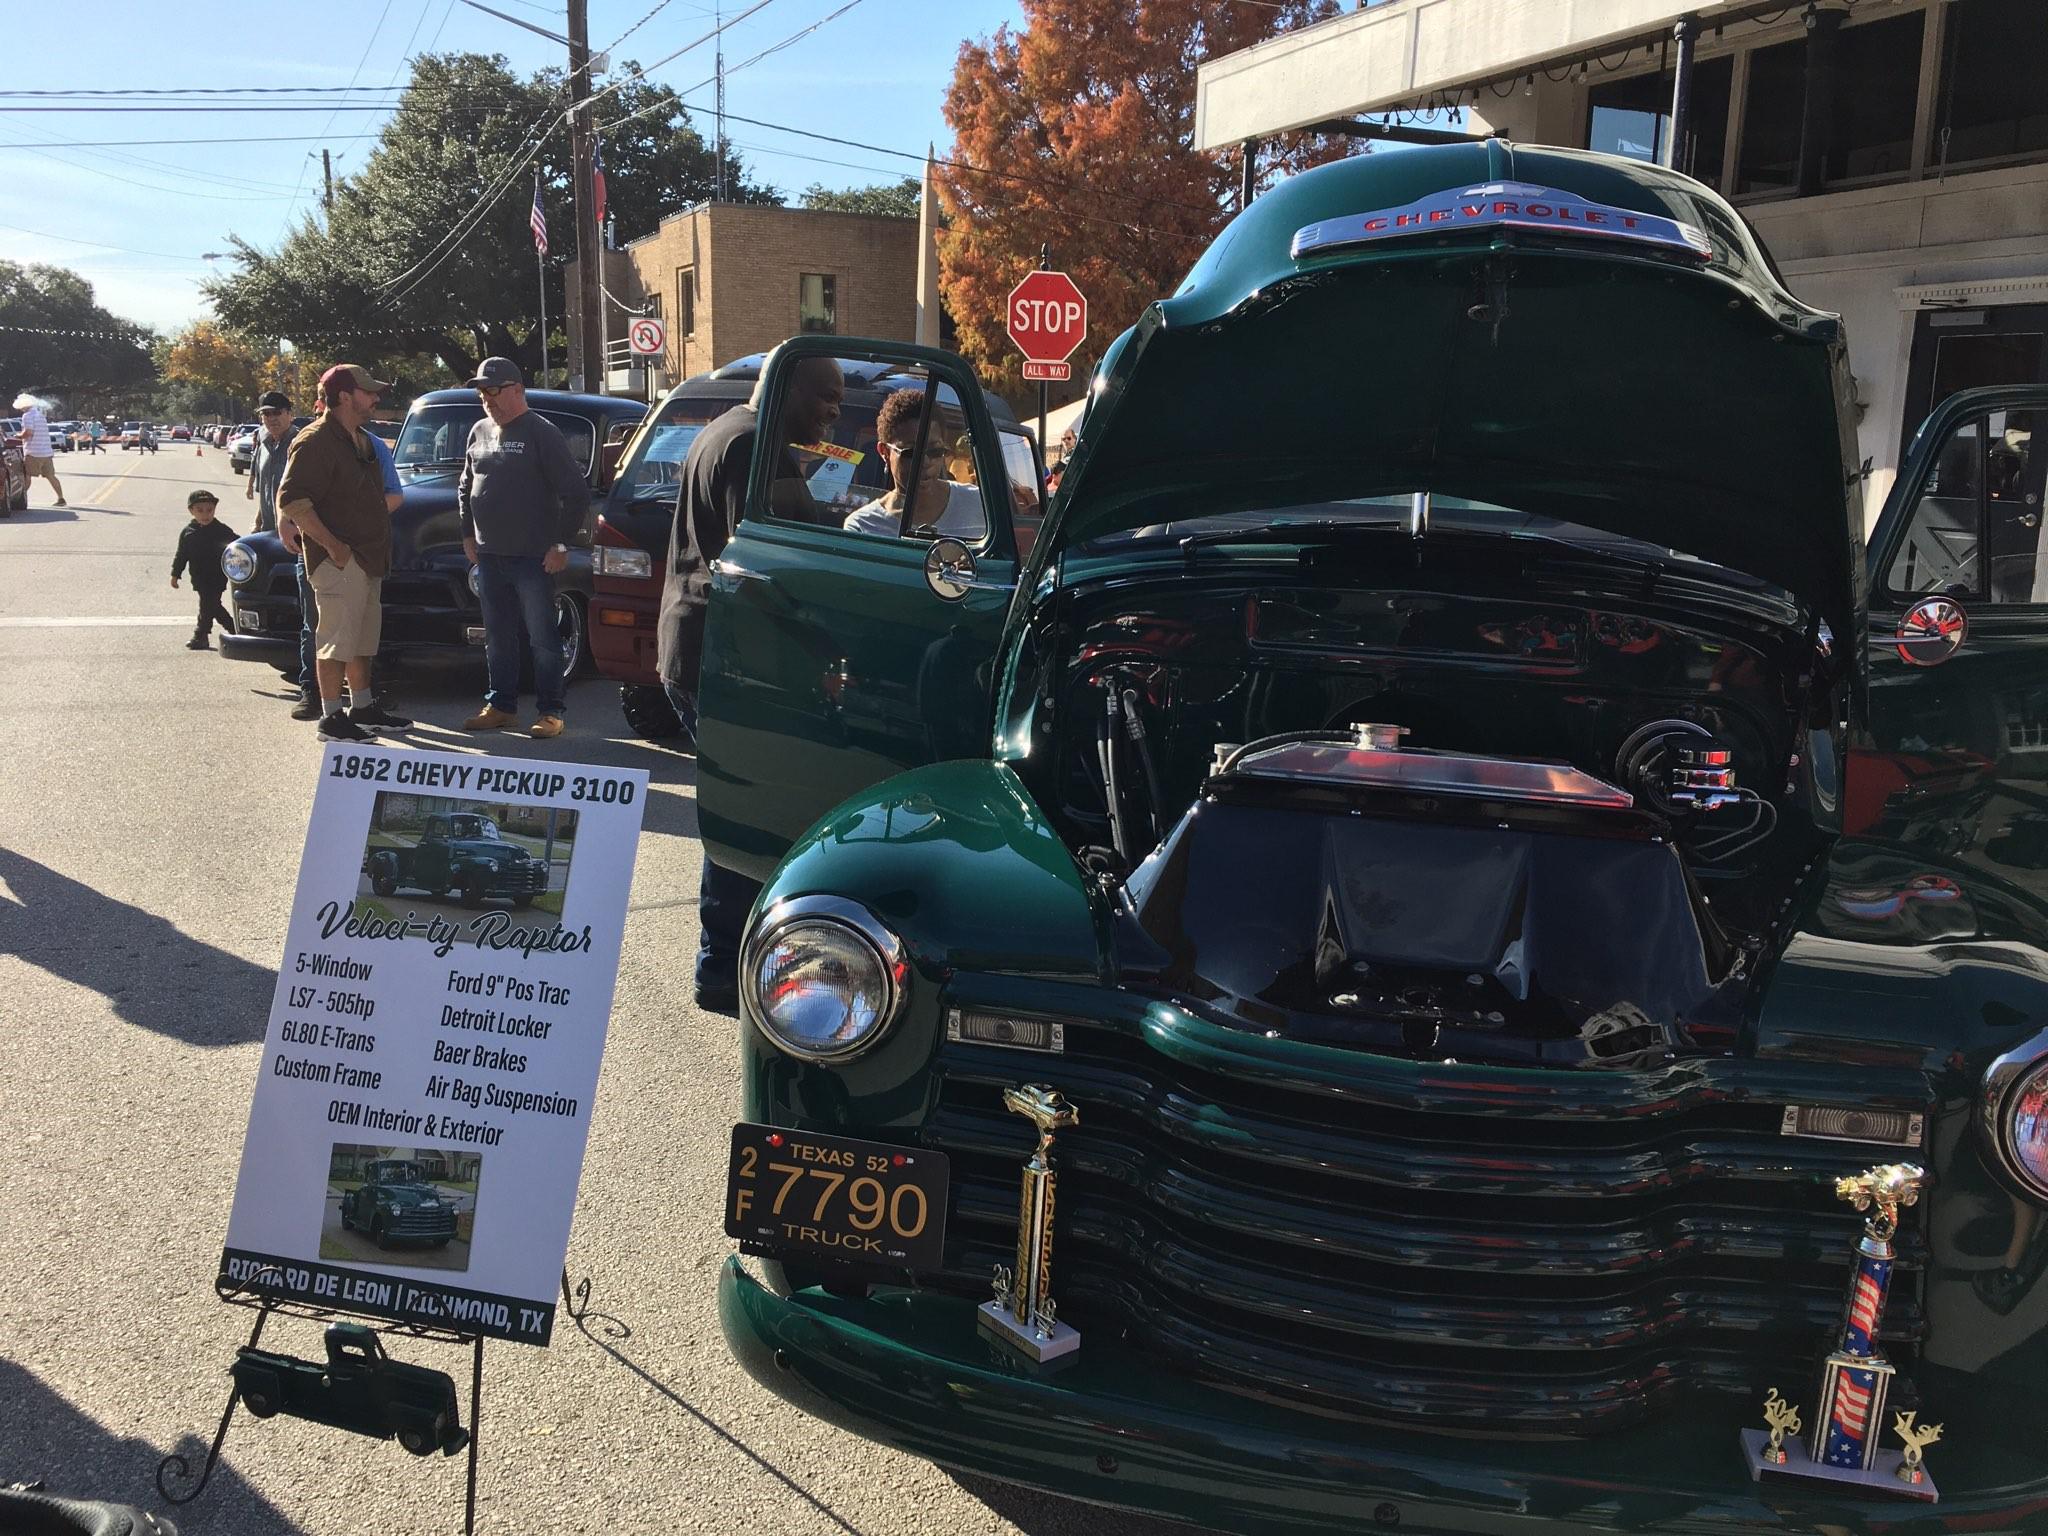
<point>877,73</point>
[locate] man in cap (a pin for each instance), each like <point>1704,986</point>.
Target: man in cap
<point>266,464</point>
<point>522,497</point>
<point>333,490</point>
<point>36,446</point>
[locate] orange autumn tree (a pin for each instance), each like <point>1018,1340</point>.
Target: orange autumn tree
<point>1079,131</point>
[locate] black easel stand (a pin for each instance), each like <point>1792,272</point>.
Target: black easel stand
<point>175,1469</point>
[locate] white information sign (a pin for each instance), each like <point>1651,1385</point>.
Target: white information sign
<point>418,1125</point>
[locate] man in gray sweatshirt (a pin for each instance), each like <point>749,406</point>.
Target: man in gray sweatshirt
<point>522,497</point>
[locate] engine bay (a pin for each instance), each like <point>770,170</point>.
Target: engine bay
<point>1502,807</point>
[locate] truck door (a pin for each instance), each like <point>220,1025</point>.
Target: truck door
<point>430,855</point>
<point>848,643</point>
<point>1959,645</point>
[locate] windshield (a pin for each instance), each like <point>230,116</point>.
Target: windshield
<point>435,435</point>
<point>398,1173</point>
<point>474,826</point>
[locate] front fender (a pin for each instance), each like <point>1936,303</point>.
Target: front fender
<point>959,863</point>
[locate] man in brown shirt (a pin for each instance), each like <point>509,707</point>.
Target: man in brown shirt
<point>333,489</point>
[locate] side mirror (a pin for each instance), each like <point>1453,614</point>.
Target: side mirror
<point>949,569</point>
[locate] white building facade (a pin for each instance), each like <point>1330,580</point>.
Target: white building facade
<point>1892,154</point>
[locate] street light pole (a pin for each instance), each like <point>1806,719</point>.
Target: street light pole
<point>588,298</point>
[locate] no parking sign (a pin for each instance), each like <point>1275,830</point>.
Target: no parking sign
<point>646,336</point>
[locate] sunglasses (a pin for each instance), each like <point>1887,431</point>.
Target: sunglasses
<point>492,391</point>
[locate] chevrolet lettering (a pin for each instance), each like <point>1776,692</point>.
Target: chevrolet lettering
<point>1467,954</point>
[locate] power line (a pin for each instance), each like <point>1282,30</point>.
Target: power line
<point>258,138</point>
<point>100,244</point>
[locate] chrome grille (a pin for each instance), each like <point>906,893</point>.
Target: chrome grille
<point>1414,1245</point>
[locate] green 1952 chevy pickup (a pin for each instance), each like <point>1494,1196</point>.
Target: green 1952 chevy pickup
<point>1360,973</point>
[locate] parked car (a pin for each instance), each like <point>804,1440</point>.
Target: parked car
<point>632,532</point>
<point>430,602</point>
<point>463,856</point>
<point>396,1203</point>
<point>181,434</point>
<point>13,469</point>
<point>388,430</point>
<point>242,447</point>
<point>1426,805</point>
<point>131,434</point>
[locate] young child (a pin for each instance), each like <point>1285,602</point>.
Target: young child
<point>199,547</point>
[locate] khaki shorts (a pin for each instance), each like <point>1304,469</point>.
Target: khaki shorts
<point>44,468</point>
<point>349,613</point>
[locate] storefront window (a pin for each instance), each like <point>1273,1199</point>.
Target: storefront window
<point>1632,117</point>
<point>1991,105</point>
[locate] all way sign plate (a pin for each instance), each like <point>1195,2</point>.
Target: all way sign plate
<point>1054,373</point>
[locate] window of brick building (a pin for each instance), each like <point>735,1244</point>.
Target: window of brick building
<point>817,308</point>
<point>686,301</point>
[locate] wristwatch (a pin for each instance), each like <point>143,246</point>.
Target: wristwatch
<point>559,549</point>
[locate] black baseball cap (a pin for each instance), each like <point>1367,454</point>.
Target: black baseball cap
<point>195,497</point>
<point>496,373</point>
<point>276,400</point>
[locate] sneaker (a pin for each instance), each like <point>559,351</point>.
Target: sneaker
<point>376,715</point>
<point>490,718</point>
<point>306,709</point>
<point>62,502</point>
<point>338,727</point>
<point>198,642</point>
<point>546,725</point>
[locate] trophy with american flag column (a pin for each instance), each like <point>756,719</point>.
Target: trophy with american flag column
<point>1855,1378</point>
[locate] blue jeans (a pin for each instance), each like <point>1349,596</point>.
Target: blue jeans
<point>519,606</point>
<point>724,896</point>
<point>309,678</point>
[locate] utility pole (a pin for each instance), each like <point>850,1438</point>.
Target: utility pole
<point>718,74</point>
<point>591,356</point>
<point>327,172</point>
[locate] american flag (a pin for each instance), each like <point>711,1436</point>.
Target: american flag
<point>1849,1421</point>
<point>538,219</point>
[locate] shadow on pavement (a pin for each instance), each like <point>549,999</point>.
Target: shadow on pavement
<point>42,1436</point>
<point>43,515</point>
<point>620,1331</point>
<point>156,976</point>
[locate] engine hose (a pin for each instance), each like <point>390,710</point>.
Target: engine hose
<point>1134,727</point>
<point>1105,745</point>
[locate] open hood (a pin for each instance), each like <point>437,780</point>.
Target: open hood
<point>1587,338</point>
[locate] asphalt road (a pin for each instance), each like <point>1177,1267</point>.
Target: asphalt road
<point>152,811</point>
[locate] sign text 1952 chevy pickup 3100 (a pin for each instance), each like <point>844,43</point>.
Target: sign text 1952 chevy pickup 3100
<point>1450,862</point>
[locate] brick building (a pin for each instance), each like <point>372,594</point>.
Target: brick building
<point>727,279</point>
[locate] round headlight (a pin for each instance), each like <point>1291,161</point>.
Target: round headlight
<point>237,563</point>
<point>476,582</point>
<point>2015,1110</point>
<point>824,978</point>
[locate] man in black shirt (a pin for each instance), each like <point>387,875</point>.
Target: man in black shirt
<point>521,498</point>
<point>712,500</point>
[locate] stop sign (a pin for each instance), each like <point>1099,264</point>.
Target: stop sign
<point>1047,316</point>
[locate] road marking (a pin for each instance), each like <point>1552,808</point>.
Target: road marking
<point>120,621</point>
<point>99,496</point>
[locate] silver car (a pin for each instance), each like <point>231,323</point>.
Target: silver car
<point>242,447</point>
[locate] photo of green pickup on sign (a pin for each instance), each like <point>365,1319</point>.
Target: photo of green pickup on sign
<point>412,1206</point>
<point>431,856</point>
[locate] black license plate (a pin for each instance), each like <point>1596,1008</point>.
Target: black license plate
<point>832,1198</point>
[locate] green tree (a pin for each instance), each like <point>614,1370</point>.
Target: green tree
<point>427,252</point>
<point>1078,131</point>
<point>211,359</point>
<point>56,340</point>
<point>895,199</point>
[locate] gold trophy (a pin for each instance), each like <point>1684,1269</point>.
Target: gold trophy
<point>1842,1447</point>
<point>1916,1442</point>
<point>1784,1420</point>
<point>1022,1314</point>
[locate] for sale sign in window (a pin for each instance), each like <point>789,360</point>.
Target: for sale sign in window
<point>424,1098</point>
